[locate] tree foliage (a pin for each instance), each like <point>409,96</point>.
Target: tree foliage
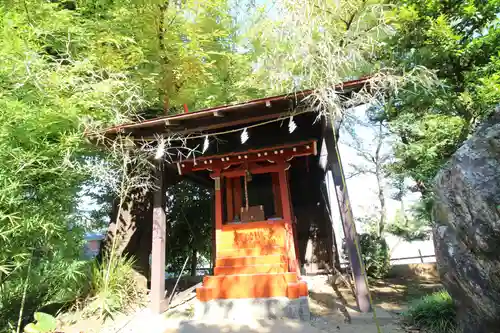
<point>72,66</point>
<point>189,215</point>
<point>375,254</point>
<point>460,42</point>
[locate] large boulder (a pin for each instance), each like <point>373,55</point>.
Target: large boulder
<point>467,229</point>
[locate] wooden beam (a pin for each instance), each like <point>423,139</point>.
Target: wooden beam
<point>348,223</point>
<point>254,170</point>
<point>215,162</point>
<point>158,301</point>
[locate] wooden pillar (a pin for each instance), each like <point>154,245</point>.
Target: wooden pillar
<point>237,196</point>
<point>287,216</point>
<point>278,207</point>
<point>229,199</point>
<point>158,303</point>
<point>218,210</point>
<point>285,198</point>
<point>213,210</point>
<point>348,224</point>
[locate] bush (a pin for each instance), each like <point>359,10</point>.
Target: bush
<point>409,228</point>
<point>434,313</point>
<point>46,283</point>
<point>113,288</point>
<point>375,254</point>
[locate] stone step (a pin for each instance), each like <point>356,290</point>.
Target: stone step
<point>242,309</point>
<point>252,260</point>
<point>250,269</point>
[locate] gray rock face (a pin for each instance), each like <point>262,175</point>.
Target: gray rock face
<point>467,229</point>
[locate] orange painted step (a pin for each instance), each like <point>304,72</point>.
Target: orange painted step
<point>250,269</point>
<point>264,234</point>
<point>241,245</point>
<point>249,260</point>
<point>204,294</point>
<point>297,289</point>
<point>250,285</point>
<point>255,291</point>
<point>303,290</point>
<point>293,290</point>
<point>247,279</point>
<point>253,252</point>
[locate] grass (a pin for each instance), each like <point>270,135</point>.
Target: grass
<point>113,288</point>
<point>434,313</point>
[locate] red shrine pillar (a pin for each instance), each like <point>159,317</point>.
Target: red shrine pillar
<point>218,212</point>
<point>288,218</point>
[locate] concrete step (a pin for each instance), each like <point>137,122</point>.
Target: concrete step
<point>250,269</point>
<point>252,260</point>
<point>257,310</point>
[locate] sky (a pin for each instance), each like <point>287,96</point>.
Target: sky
<point>363,188</point>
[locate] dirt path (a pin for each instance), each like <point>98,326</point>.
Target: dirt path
<point>329,313</point>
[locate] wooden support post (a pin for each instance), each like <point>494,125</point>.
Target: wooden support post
<point>213,210</point>
<point>287,216</point>
<point>158,301</point>
<point>285,199</point>
<point>348,224</point>
<point>237,196</point>
<point>218,210</point>
<point>278,207</point>
<point>229,199</point>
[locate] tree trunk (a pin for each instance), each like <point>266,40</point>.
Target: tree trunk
<point>380,184</point>
<point>381,198</point>
<point>194,261</point>
<point>131,228</point>
<point>402,208</point>
<point>130,232</point>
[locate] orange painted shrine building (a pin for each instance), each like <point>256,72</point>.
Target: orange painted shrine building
<point>275,172</point>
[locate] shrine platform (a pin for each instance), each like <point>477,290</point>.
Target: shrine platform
<point>252,276</point>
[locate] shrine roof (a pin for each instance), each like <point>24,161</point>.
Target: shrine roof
<point>223,116</point>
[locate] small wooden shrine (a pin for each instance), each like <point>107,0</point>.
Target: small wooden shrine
<point>278,193</point>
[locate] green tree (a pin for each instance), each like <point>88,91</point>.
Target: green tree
<point>460,42</point>
<point>373,156</point>
<point>189,215</point>
<point>69,67</point>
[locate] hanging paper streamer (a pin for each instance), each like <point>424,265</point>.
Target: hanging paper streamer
<point>205,144</point>
<point>160,150</point>
<point>244,136</point>
<point>291,125</point>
